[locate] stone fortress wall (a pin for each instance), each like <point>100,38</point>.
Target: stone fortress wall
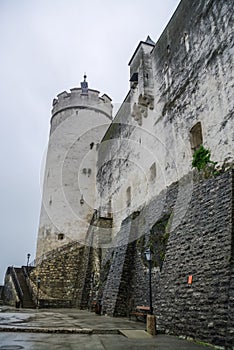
<point>201,246</point>
<point>182,98</point>
<point>143,189</point>
<point>184,81</point>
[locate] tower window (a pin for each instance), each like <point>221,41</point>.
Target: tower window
<point>196,136</point>
<point>168,49</point>
<point>91,145</point>
<point>128,192</point>
<point>167,75</point>
<point>134,80</point>
<point>186,41</point>
<point>60,236</point>
<point>153,172</point>
<point>109,209</point>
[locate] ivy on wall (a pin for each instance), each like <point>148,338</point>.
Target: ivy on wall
<point>202,162</point>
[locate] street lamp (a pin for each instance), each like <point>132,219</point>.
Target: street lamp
<point>82,199</point>
<point>149,259</point>
<point>151,319</point>
<point>28,257</point>
<point>38,288</point>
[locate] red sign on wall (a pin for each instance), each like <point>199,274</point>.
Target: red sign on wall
<point>190,279</point>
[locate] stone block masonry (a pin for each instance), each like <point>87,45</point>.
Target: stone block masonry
<point>117,287</point>
<point>63,274</point>
<point>201,246</point>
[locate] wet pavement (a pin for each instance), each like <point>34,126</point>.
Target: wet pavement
<point>78,329</point>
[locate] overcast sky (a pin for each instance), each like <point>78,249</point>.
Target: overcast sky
<point>46,46</point>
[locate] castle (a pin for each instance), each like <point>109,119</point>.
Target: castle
<point>114,187</point>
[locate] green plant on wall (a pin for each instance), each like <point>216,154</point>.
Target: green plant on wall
<point>202,161</point>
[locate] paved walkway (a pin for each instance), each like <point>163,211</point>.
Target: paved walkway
<point>79,330</point>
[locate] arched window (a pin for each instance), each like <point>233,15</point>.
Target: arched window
<point>196,136</point>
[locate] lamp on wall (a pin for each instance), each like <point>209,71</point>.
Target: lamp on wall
<point>82,200</point>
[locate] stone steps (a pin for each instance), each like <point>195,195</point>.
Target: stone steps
<point>27,300</point>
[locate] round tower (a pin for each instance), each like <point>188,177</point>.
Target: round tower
<point>79,120</point>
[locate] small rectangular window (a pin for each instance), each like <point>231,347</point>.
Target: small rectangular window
<point>60,236</point>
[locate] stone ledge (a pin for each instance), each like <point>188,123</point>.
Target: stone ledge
<point>59,330</point>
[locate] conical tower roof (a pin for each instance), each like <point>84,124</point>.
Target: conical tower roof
<point>149,41</point>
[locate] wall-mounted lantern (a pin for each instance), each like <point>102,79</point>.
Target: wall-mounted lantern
<point>82,200</point>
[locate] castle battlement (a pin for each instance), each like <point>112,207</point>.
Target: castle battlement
<point>80,98</point>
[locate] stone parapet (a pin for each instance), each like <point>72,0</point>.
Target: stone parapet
<point>76,99</point>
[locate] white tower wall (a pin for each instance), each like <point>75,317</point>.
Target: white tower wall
<point>79,121</point>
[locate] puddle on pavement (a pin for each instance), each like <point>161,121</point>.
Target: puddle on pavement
<point>11,347</point>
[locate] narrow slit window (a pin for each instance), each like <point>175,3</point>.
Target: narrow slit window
<point>153,172</point>
<point>129,195</point>
<point>186,41</point>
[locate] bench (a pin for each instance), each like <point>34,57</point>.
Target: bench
<point>96,307</point>
<point>140,313</point>
<point>93,305</point>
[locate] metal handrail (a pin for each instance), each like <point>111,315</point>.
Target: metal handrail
<point>28,282</point>
<point>16,283</point>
